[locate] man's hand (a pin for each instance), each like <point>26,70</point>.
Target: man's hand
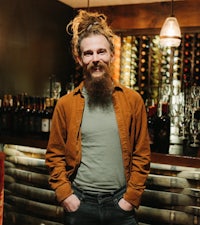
<point>126,206</point>
<point>71,204</point>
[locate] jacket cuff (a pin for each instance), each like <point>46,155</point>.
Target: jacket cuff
<point>63,191</point>
<point>133,196</point>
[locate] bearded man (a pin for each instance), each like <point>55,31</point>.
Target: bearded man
<point>98,152</point>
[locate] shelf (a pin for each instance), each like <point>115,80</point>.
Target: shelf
<point>176,160</point>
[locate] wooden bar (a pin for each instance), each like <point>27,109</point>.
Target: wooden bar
<point>175,160</point>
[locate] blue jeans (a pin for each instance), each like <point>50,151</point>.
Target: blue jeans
<point>101,209</point>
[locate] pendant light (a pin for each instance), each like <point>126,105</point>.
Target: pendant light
<point>88,5</point>
<point>170,34</point>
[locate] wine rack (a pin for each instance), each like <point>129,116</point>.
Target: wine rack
<point>145,66</point>
<point>163,75</point>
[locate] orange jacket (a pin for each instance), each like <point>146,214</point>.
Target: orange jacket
<point>64,147</point>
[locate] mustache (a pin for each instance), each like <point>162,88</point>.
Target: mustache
<point>100,64</point>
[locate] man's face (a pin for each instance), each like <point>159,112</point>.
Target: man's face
<point>96,55</point>
<point>95,59</point>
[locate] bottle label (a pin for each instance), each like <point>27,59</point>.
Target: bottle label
<point>45,125</point>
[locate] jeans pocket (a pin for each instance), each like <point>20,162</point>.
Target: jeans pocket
<point>117,206</point>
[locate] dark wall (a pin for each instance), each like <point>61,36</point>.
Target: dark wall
<point>33,45</point>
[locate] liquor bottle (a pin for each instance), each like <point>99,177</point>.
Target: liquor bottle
<point>6,115</point>
<point>15,114</point>
<point>21,114</point>
<point>3,115</point>
<point>32,115</point>
<point>9,114</point>
<point>27,115</point>
<point>38,115</point>
<point>163,130</point>
<point>152,120</point>
<point>46,119</point>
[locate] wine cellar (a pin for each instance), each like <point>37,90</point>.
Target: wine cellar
<point>167,78</point>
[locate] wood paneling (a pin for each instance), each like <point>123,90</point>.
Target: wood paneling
<point>33,44</point>
<point>151,16</point>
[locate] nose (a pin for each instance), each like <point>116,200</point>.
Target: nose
<point>95,58</point>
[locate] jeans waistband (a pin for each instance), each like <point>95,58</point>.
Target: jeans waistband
<point>98,197</point>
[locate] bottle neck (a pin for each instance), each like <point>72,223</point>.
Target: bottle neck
<point>165,108</point>
<point>152,111</point>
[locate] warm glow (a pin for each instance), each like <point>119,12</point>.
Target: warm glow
<point>170,34</point>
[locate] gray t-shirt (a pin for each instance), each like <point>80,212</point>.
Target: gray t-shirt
<point>101,168</point>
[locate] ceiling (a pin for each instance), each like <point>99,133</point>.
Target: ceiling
<point>97,3</point>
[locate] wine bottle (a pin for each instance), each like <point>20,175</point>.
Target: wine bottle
<point>152,120</point>
<point>46,119</point>
<point>21,114</point>
<point>15,114</point>
<point>38,116</point>
<point>6,115</point>
<point>163,130</point>
<point>27,115</point>
<point>33,111</point>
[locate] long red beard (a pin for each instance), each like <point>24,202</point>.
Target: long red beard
<point>99,89</point>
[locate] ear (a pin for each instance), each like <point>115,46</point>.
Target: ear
<point>112,58</point>
<point>79,60</point>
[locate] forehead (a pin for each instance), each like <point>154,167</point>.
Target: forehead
<point>94,42</point>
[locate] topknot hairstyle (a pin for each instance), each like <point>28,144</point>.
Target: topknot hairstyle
<point>85,24</point>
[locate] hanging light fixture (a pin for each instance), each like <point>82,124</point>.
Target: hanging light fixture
<point>170,34</point>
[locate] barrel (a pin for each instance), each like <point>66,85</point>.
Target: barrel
<point>194,210</point>
<point>172,168</point>
<point>171,195</point>
<point>190,175</point>
<point>39,209</point>
<point>162,216</point>
<point>15,218</point>
<point>26,151</point>
<point>26,161</point>
<point>169,182</point>
<point>9,164</point>
<point>195,192</point>
<point>33,193</point>
<point>8,179</point>
<point>29,177</point>
<point>155,198</point>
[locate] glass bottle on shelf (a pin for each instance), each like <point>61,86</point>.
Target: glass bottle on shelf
<point>152,119</point>
<point>46,119</point>
<point>32,116</point>
<point>21,114</point>
<point>162,138</point>
<point>15,114</point>
<point>6,116</point>
<point>27,115</point>
<point>38,115</point>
